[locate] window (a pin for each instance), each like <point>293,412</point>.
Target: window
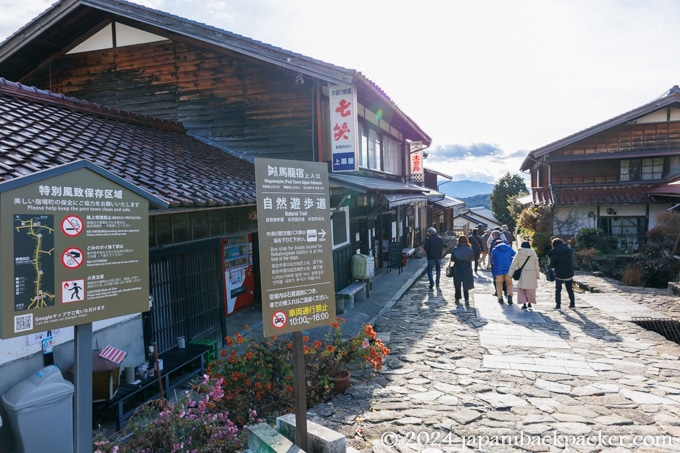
<point>340,227</point>
<point>370,148</point>
<point>641,169</point>
<point>392,156</point>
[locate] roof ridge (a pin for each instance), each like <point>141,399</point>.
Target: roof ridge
<point>70,102</point>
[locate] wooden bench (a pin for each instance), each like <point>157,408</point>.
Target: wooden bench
<point>347,294</point>
<point>179,366</point>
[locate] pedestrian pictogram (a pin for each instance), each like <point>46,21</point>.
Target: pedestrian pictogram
<point>72,225</point>
<point>72,258</point>
<point>72,291</point>
<point>279,320</point>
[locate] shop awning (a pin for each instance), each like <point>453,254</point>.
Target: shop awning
<point>395,193</point>
<point>448,202</point>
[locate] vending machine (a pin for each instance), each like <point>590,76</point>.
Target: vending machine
<point>239,284</point>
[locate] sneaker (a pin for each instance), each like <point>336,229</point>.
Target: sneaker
<point>431,285</point>
<point>509,300</point>
<point>558,307</point>
<point>572,305</point>
<point>524,307</point>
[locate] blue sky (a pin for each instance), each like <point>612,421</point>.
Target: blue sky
<point>488,81</point>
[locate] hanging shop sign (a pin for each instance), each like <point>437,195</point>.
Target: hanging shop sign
<point>343,126</point>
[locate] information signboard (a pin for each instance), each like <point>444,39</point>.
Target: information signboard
<point>75,248</point>
<point>395,255</point>
<point>296,252</point>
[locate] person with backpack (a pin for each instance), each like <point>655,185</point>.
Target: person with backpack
<point>509,237</point>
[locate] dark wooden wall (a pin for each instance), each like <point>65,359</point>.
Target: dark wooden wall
<point>246,105</point>
<point>628,138</point>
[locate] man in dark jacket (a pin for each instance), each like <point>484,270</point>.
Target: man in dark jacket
<point>561,261</point>
<point>434,247</point>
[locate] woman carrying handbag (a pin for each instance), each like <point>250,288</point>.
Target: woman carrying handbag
<point>530,273</point>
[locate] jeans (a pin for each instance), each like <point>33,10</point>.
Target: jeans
<point>558,291</point>
<point>437,264</point>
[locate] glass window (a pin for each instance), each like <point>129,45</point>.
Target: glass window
<point>340,227</point>
<point>363,146</point>
<point>641,169</point>
<point>674,167</point>
<point>374,150</point>
<point>392,156</point>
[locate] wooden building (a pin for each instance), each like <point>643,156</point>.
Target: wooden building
<point>618,175</point>
<point>241,96</point>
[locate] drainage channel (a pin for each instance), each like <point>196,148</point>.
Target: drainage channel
<point>669,328</point>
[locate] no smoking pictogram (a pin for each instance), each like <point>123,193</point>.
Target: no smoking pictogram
<point>72,258</point>
<point>279,320</point>
<point>72,225</point>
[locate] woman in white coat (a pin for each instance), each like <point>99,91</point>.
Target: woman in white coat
<point>528,281</point>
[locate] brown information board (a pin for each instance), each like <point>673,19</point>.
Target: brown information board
<point>75,250</point>
<point>296,251</point>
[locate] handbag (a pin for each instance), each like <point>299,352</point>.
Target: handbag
<point>550,275</point>
<point>518,272</point>
<point>449,271</point>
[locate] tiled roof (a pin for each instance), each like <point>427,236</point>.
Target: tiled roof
<point>594,195</point>
<point>671,188</point>
<point>40,130</point>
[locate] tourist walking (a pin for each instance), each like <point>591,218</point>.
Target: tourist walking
<point>561,260</point>
<point>484,258</point>
<point>434,248</point>
<point>475,241</point>
<point>501,259</point>
<point>528,281</point>
<point>461,261</point>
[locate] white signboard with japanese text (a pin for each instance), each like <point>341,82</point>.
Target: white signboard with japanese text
<point>75,250</point>
<point>416,158</point>
<point>296,251</point>
<point>344,128</point>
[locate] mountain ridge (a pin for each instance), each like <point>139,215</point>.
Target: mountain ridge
<point>465,188</point>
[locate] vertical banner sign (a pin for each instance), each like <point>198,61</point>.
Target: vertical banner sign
<point>296,251</point>
<point>344,126</point>
<point>416,157</point>
<point>75,250</point>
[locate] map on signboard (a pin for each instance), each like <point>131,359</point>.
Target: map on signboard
<point>34,262</point>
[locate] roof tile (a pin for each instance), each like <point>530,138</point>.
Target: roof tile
<point>40,130</point>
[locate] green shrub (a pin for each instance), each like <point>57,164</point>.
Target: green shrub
<point>595,238</point>
<point>540,242</point>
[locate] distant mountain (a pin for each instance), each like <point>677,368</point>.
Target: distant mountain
<point>465,189</point>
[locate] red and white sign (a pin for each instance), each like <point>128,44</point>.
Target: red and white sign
<point>416,158</point>
<point>72,225</point>
<point>344,124</point>
<point>279,320</point>
<point>72,258</point>
<point>113,354</point>
<point>72,291</point>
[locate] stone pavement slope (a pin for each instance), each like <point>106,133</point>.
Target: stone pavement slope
<point>495,378</point>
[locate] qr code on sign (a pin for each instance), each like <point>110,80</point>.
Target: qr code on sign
<point>22,323</point>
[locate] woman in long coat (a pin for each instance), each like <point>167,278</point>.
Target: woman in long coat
<point>461,259</point>
<point>528,281</point>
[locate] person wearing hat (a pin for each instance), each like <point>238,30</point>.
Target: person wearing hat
<point>434,248</point>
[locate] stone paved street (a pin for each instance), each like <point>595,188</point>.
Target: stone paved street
<point>496,378</point>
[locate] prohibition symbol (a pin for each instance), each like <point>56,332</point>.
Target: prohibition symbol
<point>72,258</point>
<point>72,225</point>
<point>279,320</point>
